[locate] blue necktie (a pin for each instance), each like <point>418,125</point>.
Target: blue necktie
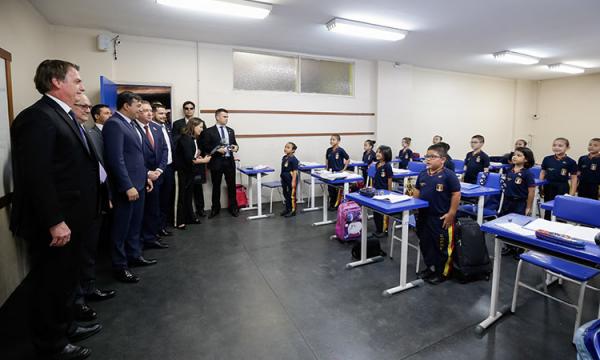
<point>223,138</point>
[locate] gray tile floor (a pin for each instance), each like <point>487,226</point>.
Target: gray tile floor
<point>277,289</point>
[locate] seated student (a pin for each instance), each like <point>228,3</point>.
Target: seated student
<point>589,172</point>
<point>449,164</point>
<point>519,183</point>
<point>368,157</point>
<point>436,139</point>
<point>405,155</point>
<point>476,161</point>
<point>435,224</point>
<point>557,169</point>
<point>336,159</point>
<point>382,180</point>
<point>289,176</point>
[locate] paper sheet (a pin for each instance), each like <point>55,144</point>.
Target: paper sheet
<point>576,232</point>
<point>400,171</point>
<point>516,228</point>
<point>260,167</point>
<point>307,163</point>
<point>392,198</point>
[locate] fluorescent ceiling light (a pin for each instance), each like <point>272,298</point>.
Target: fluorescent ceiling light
<point>356,28</point>
<point>564,68</point>
<point>242,8</point>
<point>513,57</point>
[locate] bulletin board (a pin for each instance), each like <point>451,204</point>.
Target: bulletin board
<point>6,117</point>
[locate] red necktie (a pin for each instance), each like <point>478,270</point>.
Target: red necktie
<point>149,136</point>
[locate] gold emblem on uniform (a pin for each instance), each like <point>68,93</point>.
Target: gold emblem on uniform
<point>563,172</point>
<point>337,156</point>
<point>439,187</point>
<point>518,180</point>
<point>286,164</point>
<point>382,172</point>
<point>478,159</point>
<point>406,156</point>
<point>593,167</point>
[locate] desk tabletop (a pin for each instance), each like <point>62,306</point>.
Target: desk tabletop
<point>352,178</point>
<point>252,171</point>
<point>358,164</point>
<point>404,174</point>
<point>471,190</point>
<point>302,167</point>
<point>385,207</point>
<point>589,256</point>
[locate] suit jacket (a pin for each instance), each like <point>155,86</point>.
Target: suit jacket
<point>95,135</point>
<point>154,157</point>
<point>178,126</point>
<point>56,176</point>
<point>124,155</point>
<point>185,152</point>
<point>211,138</point>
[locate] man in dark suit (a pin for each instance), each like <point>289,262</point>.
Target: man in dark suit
<point>100,114</point>
<point>123,153</point>
<point>167,188</point>
<point>56,177</point>
<point>219,141</point>
<point>156,155</point>
<point>188,112</point>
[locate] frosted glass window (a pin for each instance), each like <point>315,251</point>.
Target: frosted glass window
<point>253,71</point>
<point>326,77</point>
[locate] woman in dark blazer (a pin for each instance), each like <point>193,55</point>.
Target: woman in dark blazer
<point>188,158</point>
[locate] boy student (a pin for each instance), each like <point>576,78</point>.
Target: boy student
<point>289,174</point>
<point>435,224</point>
<point>589,172</point>
<point>449,164</point>
<point>405,155</point>
<point>476,161</point>
<point>336,159</point>
<point>558,169</point>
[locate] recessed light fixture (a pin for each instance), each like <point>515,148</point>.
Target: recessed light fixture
<point>564,68</point>
<point>516,58</point>
<point>241,8</point>
<point>365,30</point>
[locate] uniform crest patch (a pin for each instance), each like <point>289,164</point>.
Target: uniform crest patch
<point>439,187</point>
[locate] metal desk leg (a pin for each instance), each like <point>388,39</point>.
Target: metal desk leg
<point>325,220</point>
<point>480,204</point>
<point>259,199</point>
<point>536,202</point>
<point>299,186</point>
<point>346,189</point>
<point>250,191</point>
<point>363,244</point>
<point>403,259</point>
<point>312,206</point>
<point>494,314</point>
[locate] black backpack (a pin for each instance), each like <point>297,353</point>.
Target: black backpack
<point>471,261</point>
<point>373,249</point>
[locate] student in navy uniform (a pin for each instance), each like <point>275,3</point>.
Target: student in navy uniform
<point>476,161</point>
<point>382,180</point>
<point>449,164</point>
<point>589,172</point>
<point>436,139</point>
<point>435,224</point>
<point>336,159</point>
<point>519,188</point>
<point>557,169</point>
<point>519,143</point>
<point>368,157</point>
<point>405,155</point>
<point>289,177</point>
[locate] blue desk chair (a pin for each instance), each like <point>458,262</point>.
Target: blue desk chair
<point>492,203</point>
<point>587,341</point>
<point>416,166</point>
<point>575,209</point>
<point>276,184</point>
<point>458,164</point>
<point>536,170</point>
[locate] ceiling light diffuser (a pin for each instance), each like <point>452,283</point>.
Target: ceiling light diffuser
<point>241,8</point>
<point>365,30</point>
<point>568,69</point>
<point>516,58</point>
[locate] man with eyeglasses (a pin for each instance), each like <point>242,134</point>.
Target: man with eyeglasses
<point>189,108</point>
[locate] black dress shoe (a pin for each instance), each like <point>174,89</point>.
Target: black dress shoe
<point>234,212</point>
<point>290,214</point>
<point>84,312</point>
<point>141,261</point>
<point>213,213</point>
<point>83,332</point>
<point>165,232</point>
<point>284,212</point>
<point>125,276</point>
<point>425,274</point>
<point>156,245</point>
<point>181,227</point>
<point>436,279</point>
<point>99,295</point>
<point>72,352</point>
<point>201,213</point>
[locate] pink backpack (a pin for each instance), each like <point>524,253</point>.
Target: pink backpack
<point>348,226</point>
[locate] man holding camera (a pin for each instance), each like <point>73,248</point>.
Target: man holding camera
<point>219,142</point>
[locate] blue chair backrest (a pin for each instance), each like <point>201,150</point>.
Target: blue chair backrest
<point>580,210</point>
<point>458,164</point>
<point>416,166</point>
<point>372,170</point>
<point>492,180</point>
<point>535,170</point>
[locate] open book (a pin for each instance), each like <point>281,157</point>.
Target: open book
<point>392,198</point>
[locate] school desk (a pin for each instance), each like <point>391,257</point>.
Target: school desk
<point>309,169</point>
<point>480,192</point>
<point>258,173</point>
<point>337,183</point>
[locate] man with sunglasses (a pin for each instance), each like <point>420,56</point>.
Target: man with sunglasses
<point>189,108</point>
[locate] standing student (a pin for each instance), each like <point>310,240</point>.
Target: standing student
<point>589,172</point>
<point>519,143</point>
<point>289,176</point>
<point>336,159</point>
<point>382,180</point>
<point>476,161</point>
<point>435,224</point>
<point>436,139</point>
<point>405,155</point>
<point>519,184</point>
<point>368,157</point>
<point>557,169</point>
<point>449,164</point>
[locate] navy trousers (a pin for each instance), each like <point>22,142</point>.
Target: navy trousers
<point>126,229</point>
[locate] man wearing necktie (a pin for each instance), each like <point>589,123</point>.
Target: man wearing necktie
<point>219,142</point>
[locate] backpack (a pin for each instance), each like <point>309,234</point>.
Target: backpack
<point>348,225</point>
<point>373,249</point>
<point>240,196</point>
<point>471,260</point>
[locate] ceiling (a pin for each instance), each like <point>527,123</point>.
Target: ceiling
<point>456,35</point>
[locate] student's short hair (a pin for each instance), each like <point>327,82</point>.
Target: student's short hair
<point>439,149</point>
<point>97,108</point>
<point>478,137</point>
<point>563,139</point>
<point>439,136</point>
<point>407,139</point>
<point>445,145</point>
<point>522,140</point>
<point>339,138</point>
<point>157,105</point>
<point>370,142</point>
<point>127,97</point>
<point>220,110</point>
<point>48,70</point>
<point>294,147</point>
<point>528,154</point>
<point>386,151</point>
<point>189,103</point>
